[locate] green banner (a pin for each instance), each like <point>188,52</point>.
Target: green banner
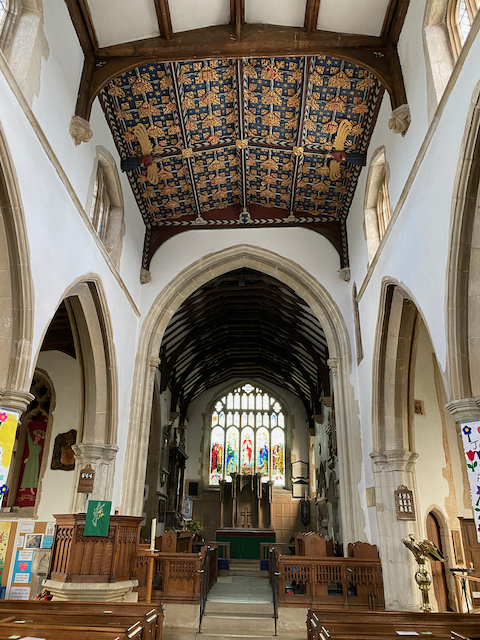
<point>98,518</point>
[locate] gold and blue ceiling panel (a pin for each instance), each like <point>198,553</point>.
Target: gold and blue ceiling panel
<point>241,132</point>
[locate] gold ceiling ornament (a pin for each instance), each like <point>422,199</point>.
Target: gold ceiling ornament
<point>344,129</point>
<point>141,134</point>
<point>187,153</point>
<point>298,151</point>
<point>241,144</point>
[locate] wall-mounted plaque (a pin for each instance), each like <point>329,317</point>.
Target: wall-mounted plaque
<point>404,503</point>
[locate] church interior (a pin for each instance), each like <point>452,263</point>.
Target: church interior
<point>239,337</point>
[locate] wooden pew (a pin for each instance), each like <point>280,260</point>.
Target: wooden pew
<point>54,631</point>
<point>384,625</point>
<point>118,619</point>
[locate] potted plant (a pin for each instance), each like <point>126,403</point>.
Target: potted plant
<point>196,528</point>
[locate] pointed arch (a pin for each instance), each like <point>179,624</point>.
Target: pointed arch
<point>327,312</point>
<point>463,277</point>
<point>16,333</point>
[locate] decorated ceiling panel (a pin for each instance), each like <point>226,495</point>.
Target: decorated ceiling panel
<point>243,141</point>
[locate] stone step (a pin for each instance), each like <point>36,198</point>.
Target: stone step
<point>239,608</point>
<point>246,636</point>
<point>238,624</point>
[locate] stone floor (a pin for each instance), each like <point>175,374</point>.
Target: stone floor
<point>241,589</point>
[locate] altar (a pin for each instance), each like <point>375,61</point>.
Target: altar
<point>245,543</point>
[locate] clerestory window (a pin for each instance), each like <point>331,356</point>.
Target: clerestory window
<point>247,436</point>
<point>100,204</point>
<point>3,12</point>
<point>460,17</point>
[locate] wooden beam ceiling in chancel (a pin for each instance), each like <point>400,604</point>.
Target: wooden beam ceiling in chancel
<point>244,323</point>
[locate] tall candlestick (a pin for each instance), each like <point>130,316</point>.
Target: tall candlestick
<point>154,531</point>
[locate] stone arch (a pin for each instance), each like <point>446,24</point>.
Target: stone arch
<point>16,332</point>
<point>377,173</point>
<point>92,331</point>
<point>463,277</point>
<point>321,303</point>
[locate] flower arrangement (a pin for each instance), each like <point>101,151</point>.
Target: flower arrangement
<point>194,526</point>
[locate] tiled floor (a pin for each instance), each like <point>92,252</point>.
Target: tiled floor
<point>241,589</point>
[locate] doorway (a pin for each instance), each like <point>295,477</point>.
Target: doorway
<point>438,568</point>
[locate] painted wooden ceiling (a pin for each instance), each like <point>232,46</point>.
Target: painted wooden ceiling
<point>243,133</point>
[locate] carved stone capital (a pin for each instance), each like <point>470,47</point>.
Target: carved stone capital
<point>15,400</point>
<point>345,274</point>
<point>80,130</point>
<point>393,460</point>
<point>400,119</point>
<point>92,452</point>
<point>465,409</point>
<point>333,364</point>
<point>153,364</point>
<point>145,276</point>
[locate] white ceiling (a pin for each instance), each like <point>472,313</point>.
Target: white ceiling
<point>118,21</point>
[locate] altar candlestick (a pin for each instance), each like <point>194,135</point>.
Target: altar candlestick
<point>154,531</point>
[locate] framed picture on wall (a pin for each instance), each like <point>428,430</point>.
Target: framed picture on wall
<point>162,507</point>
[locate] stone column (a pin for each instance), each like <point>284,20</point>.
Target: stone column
<point>391,469</point>
<point>102,458</point>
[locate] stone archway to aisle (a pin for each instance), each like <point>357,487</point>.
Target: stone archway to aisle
<point>328,314</point>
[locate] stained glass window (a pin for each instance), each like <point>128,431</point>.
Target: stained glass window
<point>232,451</point>
<point>248,436</point>
<point>216,455</point>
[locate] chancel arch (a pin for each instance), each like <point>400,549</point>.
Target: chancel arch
<point>416,444</point>
<point>149,355</point>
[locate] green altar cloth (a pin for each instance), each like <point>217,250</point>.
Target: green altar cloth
<point>245,543</point>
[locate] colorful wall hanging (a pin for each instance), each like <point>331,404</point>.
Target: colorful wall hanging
<point>471,444</point>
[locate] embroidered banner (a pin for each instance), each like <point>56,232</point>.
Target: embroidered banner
<point>8,430</point>
<point>471,444</point>
<point>98,518</point>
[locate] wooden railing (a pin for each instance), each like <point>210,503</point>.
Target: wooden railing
<point>81,559</point>
<point>177,576</point>
<point>330,583</point>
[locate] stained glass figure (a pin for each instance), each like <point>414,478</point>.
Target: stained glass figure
<point>216,455</point>
<point>247,451</point>
<point>232,451</point>
<point>262,451</point>
<point>278,457</point>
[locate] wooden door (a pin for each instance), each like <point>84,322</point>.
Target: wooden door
<point>437,569</point>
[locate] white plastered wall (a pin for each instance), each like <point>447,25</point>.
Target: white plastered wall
<point>57,484</point>
<point>54,180</point>
<point>415,251</point>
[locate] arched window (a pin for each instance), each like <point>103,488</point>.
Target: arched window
<point>248,436</point>
<point>460,16</point>
<point>106,210</point>
<point>100,208</point>
<point>377,202</point>
<point>3,12</point>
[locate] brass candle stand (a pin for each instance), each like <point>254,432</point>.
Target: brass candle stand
<point>422,552</point>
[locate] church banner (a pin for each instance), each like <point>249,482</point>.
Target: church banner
<point>8,430</point>
<point>98,518</point>
<point>471,444</point>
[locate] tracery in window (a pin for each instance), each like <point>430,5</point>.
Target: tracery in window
<point>460,17</point>
<point>248,436</point>
<point>384,214</point>
<point>3,12</point>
